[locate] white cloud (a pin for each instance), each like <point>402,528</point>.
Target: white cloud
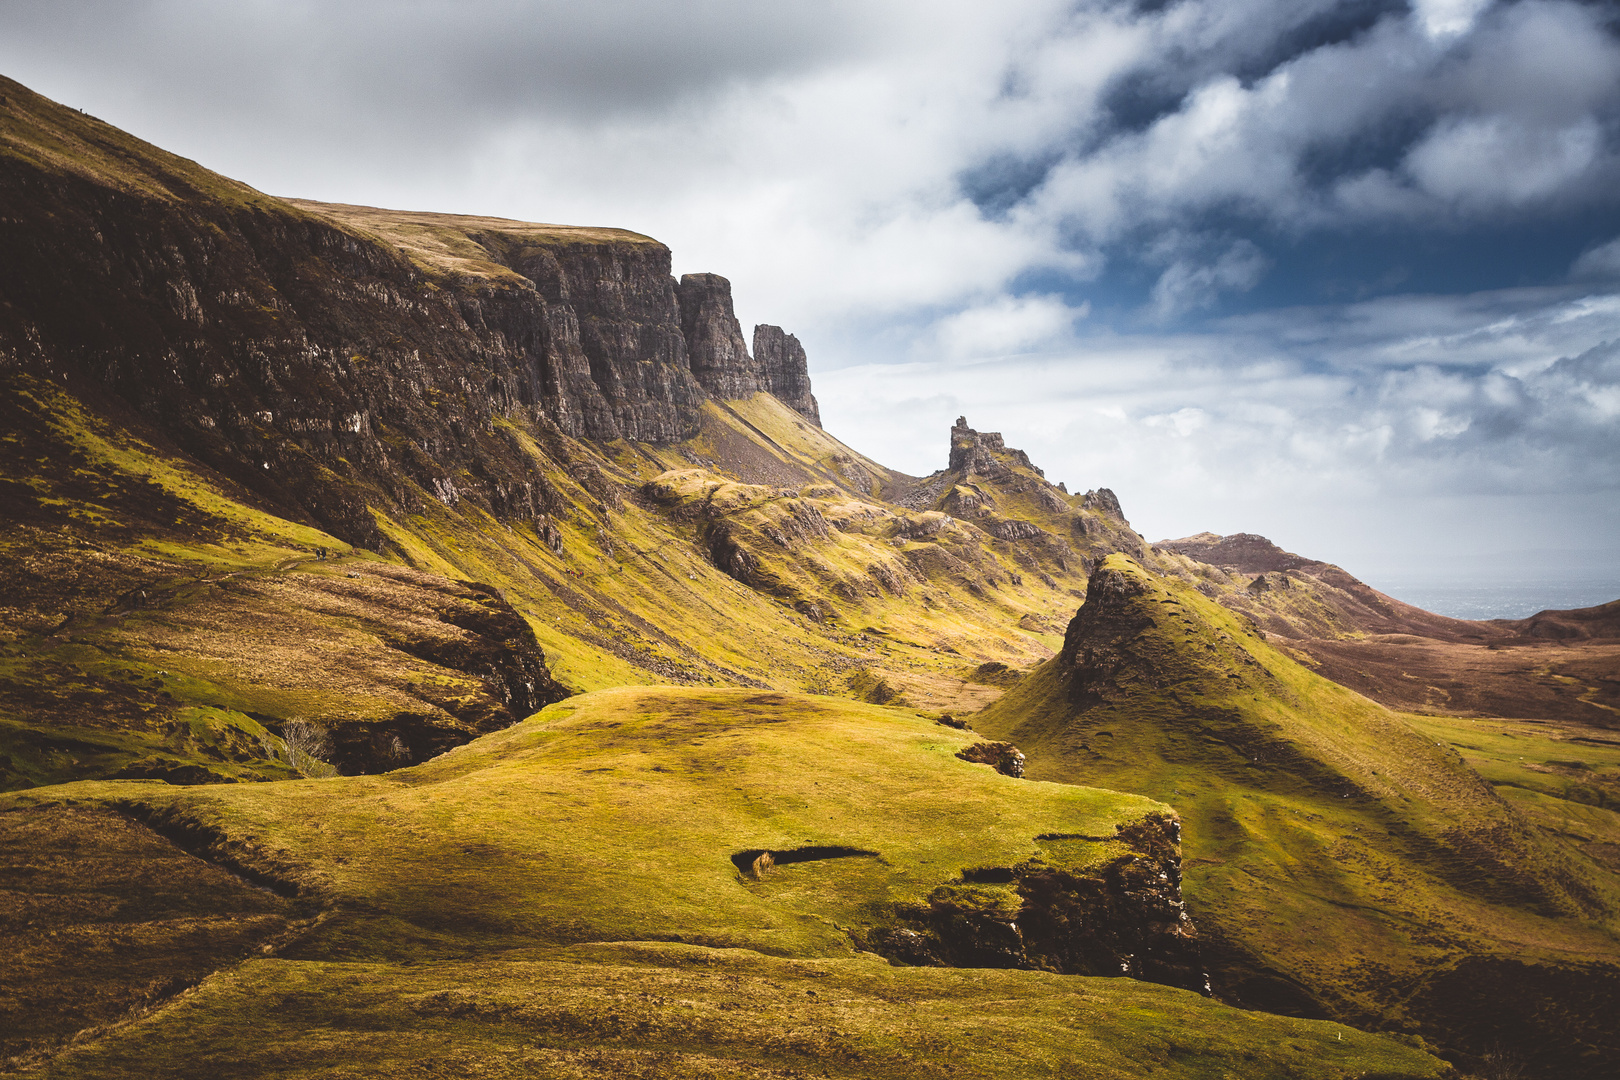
<point>1007,325</point>
<point>1602,261</point>
<point>1491,161</point>
<point>1447,18</point>
<point>1189,285</point>
<point>1332,429</point>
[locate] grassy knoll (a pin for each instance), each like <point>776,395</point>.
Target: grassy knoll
<point>561,898</point>
<point>1338,859</point>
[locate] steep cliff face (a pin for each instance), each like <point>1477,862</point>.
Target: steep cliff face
<point>719,356</point>
<point>319,353</point>
<point>714,339</point>
<point>785,370</point>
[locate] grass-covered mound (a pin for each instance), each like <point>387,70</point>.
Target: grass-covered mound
<point>1338,860</point>
<point>574,896</point>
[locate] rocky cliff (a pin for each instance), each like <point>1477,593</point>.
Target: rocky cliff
<point>719,356</point>
<point>320,354</point>
<point>785,371</point>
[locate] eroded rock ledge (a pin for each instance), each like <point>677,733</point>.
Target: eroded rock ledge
<point>1123,918</point>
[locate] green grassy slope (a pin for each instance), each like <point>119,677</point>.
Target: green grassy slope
<point>158,621</point>
<point>1338,859</point>
<point>562,897</point>
<point>66,142</point>
<point>153,595</point>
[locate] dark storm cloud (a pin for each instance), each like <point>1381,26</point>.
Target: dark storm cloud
<point>398,61</point>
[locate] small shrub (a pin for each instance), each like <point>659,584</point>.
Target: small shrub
<point>306,746</point>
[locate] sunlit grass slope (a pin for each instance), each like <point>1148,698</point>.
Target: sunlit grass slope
<point>678,1011</point>
<point>585,858</point>
<point>164,616</point>
<point>151,595</point>
<point>158,619</point>
<point>615,815</point>
<point>1337,857</point>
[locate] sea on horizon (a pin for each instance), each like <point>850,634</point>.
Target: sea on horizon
<point>1501,599</point>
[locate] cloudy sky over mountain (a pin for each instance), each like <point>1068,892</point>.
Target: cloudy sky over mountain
<point>1345,273</point>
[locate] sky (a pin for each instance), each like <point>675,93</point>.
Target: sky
<point>1346,274</point>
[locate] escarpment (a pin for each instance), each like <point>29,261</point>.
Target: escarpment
<point>785,371</point>
<point>338,359</point>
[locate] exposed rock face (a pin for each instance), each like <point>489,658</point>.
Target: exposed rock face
<point>1004,757</point>
<point>1104,501</point>
<point>1096,645</point>
<point>972,452</point>
<point>719,356</point>
<point>714,340</point>
<point>319,355</point>
<point>1125,918</point>
<point>1247,552</point>
<point>285,349</point>
<point>785,370</point>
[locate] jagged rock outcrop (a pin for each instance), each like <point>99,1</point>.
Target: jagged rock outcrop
<point>1125,918</point>
<point>973,453</point>
<point>714,341</point>
<point>785,370</point>
<point>1245,552</point>
<point>1104,501</point>
<point>719,357</point>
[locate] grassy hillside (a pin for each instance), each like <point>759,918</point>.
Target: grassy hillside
<point>158,621</point>
<point>566,896</point>
<point>162,617</point>
<point>1339,860</point>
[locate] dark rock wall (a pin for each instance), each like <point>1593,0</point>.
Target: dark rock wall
<point>714,339</point>
<point>1126,918</point>
<point>319,365</point>
<point>785,370</point>
<point>289,353</point>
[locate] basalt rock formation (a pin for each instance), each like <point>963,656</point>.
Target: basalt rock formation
<point>317,353</point>
<point>719,356</point>
<point>718,353</point>
<point>785,371</point>
<point>976,453</point>
<point>1123,918</point>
